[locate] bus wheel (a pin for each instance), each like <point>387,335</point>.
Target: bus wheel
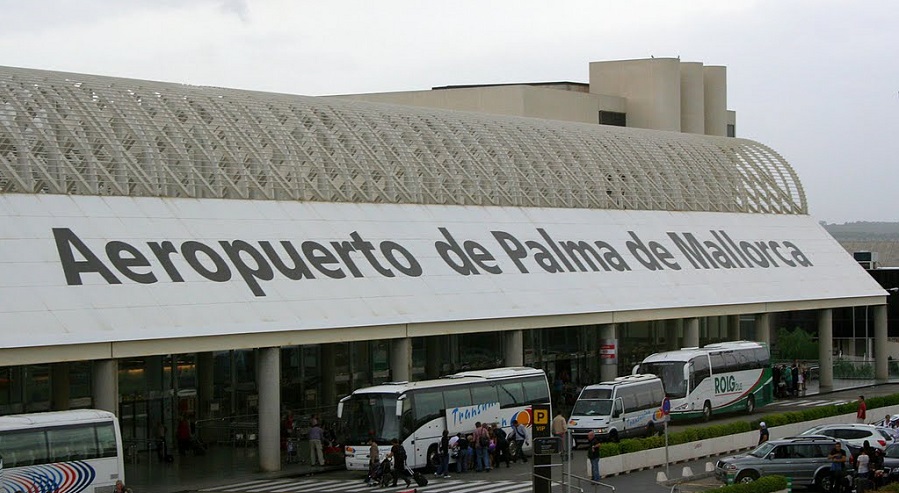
<point>707,411</point>
<point>433,459</point>
<point>750,404</point>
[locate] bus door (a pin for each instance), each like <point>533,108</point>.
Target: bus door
<point>617,421</point>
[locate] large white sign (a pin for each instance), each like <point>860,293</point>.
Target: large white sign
<point>91,269</point>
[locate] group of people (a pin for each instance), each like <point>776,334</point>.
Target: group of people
<point>869,471</point>
<point>322,440</point>
<point>482,450</point>
<point>789,380</point>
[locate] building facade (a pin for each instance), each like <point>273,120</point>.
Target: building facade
<point>171,250</point>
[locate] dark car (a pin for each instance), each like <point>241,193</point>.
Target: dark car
<point>804,458</point>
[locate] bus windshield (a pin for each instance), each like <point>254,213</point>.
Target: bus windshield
<point>672,375</point>
<point>592,407</point>
<point>371,416</point>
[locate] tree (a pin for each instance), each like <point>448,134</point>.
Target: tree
<point>796,344</point>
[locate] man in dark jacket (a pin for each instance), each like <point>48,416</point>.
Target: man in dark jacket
<point>399,462</point>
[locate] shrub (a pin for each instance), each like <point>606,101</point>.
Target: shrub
<point>714,431</point>
<point>765,484</point>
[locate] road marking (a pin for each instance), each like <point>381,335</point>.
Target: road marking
<point>352,486</point>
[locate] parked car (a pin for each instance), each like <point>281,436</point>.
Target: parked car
<point>891,461</point>
<point>804,458</point>
<point>855,434</point>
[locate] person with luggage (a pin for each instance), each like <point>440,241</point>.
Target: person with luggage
<point>398,453</point>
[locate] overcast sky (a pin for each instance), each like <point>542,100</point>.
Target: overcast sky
<point>817,80</point>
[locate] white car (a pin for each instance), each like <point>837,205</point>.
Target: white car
<point>855,434</point>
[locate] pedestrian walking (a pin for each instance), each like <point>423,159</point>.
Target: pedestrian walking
<point>502,446</point>
<point>519,435</point>
<point>593,454</point>
<point>861,414</point>
<point>398,452</point>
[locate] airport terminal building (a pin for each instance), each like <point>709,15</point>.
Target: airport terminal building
<point>170,249</point>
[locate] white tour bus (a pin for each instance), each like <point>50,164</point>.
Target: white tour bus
<point>622,407</point>
<point>71,451</point>
<point>716,378</point>
<point>416,413</point>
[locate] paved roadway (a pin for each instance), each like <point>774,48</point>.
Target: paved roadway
<point>517,479</point>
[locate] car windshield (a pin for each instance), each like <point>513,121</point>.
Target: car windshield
<point>762,450</point>
<point>592,407</point>
<point>672,375</point>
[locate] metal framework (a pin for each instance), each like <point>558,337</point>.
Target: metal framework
<point>64,133</point>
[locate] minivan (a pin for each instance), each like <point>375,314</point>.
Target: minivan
<point>626,406</point>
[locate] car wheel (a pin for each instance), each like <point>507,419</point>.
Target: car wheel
<point>650,430</point>
<point>823,481</point>
<point>750,404</point>
<point>707,411</point>
<point>746,477</point>
<point>613,436</point>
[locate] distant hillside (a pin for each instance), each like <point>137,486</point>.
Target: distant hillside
<point>863,231</point>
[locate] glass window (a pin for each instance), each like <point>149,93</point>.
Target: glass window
<point>23,448</point>
<point>106,440</point>
<point>428,405</point>
<point>718,363</point>
<point>510,394</point>
<point>483,393</point>
<point>535,391</point>
<point>457,397</point>
<point>596,394</point>
<point>71,443</point>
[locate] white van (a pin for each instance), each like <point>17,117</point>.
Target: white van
<point>623,407</point>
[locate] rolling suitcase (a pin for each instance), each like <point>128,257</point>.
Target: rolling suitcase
<point>419,478</point>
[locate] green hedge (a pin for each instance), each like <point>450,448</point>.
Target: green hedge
<point>638,444</point>
<point>766,484</point>
<point>890,488</point>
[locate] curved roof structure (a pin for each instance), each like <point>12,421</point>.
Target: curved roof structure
<point>76,134</point>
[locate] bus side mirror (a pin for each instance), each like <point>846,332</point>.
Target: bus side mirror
<point>399,406</point>
<point>340,409</point>
<point>635,369</point>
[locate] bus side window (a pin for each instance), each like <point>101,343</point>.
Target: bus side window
<point>510,394</point>
<point>483,393</point>
<point>106,440</point>
<point>429,405</point>
<point>700,367</point>
<point>535,391</point>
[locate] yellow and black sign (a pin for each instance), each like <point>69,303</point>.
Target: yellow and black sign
<point>541,420</point>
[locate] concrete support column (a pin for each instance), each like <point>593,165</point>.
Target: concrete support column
<point>59,387</point>
<point>733,328</point>
<point>105,385</point>
<point>881,355</point>
<point>328,372</point>
<point>268,383</point>
<point>672,330</point>
<point>608,367</point>
<point>433,356</point>
<point>763,327</point>
<point>825,349</point>
<point>691,332</point>
<point>513,344</point>
<point>401,359</point>
<point>205,383</point>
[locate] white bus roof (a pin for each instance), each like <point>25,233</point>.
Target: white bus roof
<point>22,421</point>
<point>451,380</point>
<point>687,353</point>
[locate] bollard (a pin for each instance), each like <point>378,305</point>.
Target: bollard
<point>661,477</point>
<point>789,484</point>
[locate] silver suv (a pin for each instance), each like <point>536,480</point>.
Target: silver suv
<point>804,458</point>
